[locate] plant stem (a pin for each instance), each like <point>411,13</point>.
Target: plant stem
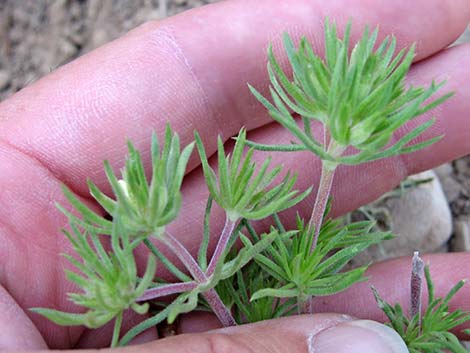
<point>184,256</point>
<point>316,219</point>
<point>417,267</point>
<point>305,306</point>
<point>167,289</point>
<point>221,245</point>
<point>167,263</point>
<point>219,308</point>
<point>116,330</point>
<point>190,263</point>
<point>323,193</point>
<point>144,325</point>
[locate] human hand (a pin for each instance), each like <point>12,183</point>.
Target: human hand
<point>192,70</point>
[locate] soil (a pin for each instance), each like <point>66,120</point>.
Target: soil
<point>36,36</point>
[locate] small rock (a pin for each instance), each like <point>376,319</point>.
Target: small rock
<point>420,219</point>
<point>461,239</point>
<point>4,79</point>
<point>462,165</point>
<point>449,184</point>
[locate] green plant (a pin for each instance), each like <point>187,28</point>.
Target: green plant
<point>428,331</point>
<point>359,100</point>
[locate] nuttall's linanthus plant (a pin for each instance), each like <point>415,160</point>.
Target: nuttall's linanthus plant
<point>428,331</point>
<point>301,274</point>
<point>359,98</point>
<point>109,281</point>
<point>240,193</point>
<point>140,212</point>
<point>144,208</point>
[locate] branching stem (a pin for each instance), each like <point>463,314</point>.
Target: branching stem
<point>221,245</point>
<point>167,289</point>
<point>184,256</point>
<point>218,307</point>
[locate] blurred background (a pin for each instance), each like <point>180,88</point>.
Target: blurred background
<point>37,36</point>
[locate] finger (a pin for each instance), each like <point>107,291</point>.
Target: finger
<point>392,280</point>
<point>17,332</point>
<point>191,70</point>
<point>101,337</point>
<point>356,186</point>
<point>321,333</point>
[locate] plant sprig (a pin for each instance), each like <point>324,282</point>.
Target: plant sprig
<point>144,207</point>
<point>428,331</point>
<point>302,274</point>
<point>359,97</point>
<point>108,281</point>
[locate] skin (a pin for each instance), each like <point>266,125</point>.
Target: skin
<point>192,70</point>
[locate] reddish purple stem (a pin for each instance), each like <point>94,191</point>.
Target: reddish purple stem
<point>219,308</point>
<point>167,289</point>
<point>324,190</point>
<point>190,263</point>
<point>184,256</point>
<point>416,282</point>
<point>221,245</point>
<point>315,222</point>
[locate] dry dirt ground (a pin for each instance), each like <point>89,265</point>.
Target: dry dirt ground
<point>36,36</point>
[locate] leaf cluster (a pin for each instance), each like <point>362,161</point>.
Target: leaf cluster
<point>237,291</point>
<point>140,210</point>
<point>144,207</point>
<point>240,191</point>
<point>108,281</point>
<point>431,332</point>
<point>300,273</point>
<point>358,95</point>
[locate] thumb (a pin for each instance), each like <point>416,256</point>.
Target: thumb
<point>320,333</point>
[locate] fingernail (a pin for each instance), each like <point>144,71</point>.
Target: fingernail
<point>363,336</point>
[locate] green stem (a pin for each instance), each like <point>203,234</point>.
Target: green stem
<point>116,330</point>
<point>166,262</point>
<point>144,325</point>
<point>305,305</point>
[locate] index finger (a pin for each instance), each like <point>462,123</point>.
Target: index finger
<point>190,70</point>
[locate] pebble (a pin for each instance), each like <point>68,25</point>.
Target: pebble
<point>4,79</point>
<point>420,219</point>
<point>461,239</point>
<point>450,186</point>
